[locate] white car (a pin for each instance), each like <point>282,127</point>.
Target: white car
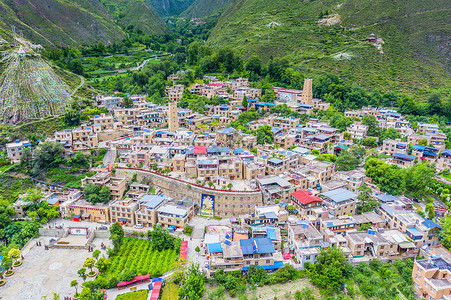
<point>139,226</point>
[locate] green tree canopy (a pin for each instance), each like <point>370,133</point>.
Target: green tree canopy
<point>193,287</point>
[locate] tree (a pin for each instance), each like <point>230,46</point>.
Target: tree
<point>423,142</point>
<point>257,275</point>
<point>264,135</point>
<point>6,263</point>
<point>389,178</point>
<point>127,102</point>
<point>197,249</point>
<point>102,264</point>
<point>418,178</point>
<point>104,194</point>
<point>366,201</point>
<point>369,141</point>
<point>96,254</point>
<point>6,212</point>
<point>96,194</point>
<point>430,211</point>
<point>346,161</point>
<point>435,104</point>
<point>28,230</point>
<point>14,254</point>
<point>82,273</point>
<point>45,154</point>
<point>229,185</point>
<point>33,196</point>
<point>193,286</point>
<point>27,155</point>
<point>372,123</point>
<point>72,118</point>
<point>244,103</point>
<point>329,272</point>
<point>446,232</point>
<point>254,64</point>
<point>74,284</point>
<point>161,239</point>
<point>390,133</point>
<point>117,234</point>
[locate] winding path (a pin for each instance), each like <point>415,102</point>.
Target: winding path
<point>79,86</point>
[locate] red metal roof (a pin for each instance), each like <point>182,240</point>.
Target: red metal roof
<point>200,150</point>
<point>305,197</point>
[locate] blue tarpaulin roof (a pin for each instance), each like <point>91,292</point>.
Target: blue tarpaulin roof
<point>404,156</point>
<point>217,149</point>
<point>387,198</point>
<point>271,233</point>
<point>430,224</point>
<point>152,201</point>
<point>263,245</point>
<point>339,195</point>
<point>275,266</point>
<point>214,248</point>
<point>275,160</point>
<point>171,228</point>
<point>413,231</point>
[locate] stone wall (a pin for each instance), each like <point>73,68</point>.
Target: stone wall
<point>227,203</point>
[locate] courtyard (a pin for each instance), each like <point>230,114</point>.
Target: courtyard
<point>46,271</point>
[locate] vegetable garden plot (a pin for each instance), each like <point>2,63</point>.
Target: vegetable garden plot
<point>136,254</point>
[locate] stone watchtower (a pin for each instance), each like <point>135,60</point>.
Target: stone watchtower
<point>173,120</point>
<point>307,93</point>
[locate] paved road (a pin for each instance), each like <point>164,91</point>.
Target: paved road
<point>79,86</point>
<point>139,66</point>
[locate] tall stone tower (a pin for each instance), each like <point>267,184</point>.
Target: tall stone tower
<point>173,120</point>
<point>307,93</point>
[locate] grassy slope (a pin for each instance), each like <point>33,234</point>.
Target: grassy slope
<point>166,8</point>
<point>415,35</point>
<point>60,21</point>
<point>137,13</point>
<point>202,8</point>
<point>72,22</point>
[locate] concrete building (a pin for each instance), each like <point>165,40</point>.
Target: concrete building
<point>14,150</point>
<point>340,202</point>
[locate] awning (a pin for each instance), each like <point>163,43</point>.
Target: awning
<point>123,219</point>
<point>406,245</point>
<point>171,228</point>
<point>86,215</point>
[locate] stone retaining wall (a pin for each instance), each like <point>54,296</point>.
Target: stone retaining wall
<point>227,204</point>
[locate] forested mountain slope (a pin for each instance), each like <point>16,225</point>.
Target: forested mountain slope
<point>412,51</point>
<point>166,8</point>
<point>202,8</point>
<point>73,22</point>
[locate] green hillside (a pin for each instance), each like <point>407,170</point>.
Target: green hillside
<point>167,8</point>
<point>138,14</point>
<point>72,22</point>
<point>202,8</point>
<point>414,51</point>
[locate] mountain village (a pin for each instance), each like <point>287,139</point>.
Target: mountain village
<point>266,205</point>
